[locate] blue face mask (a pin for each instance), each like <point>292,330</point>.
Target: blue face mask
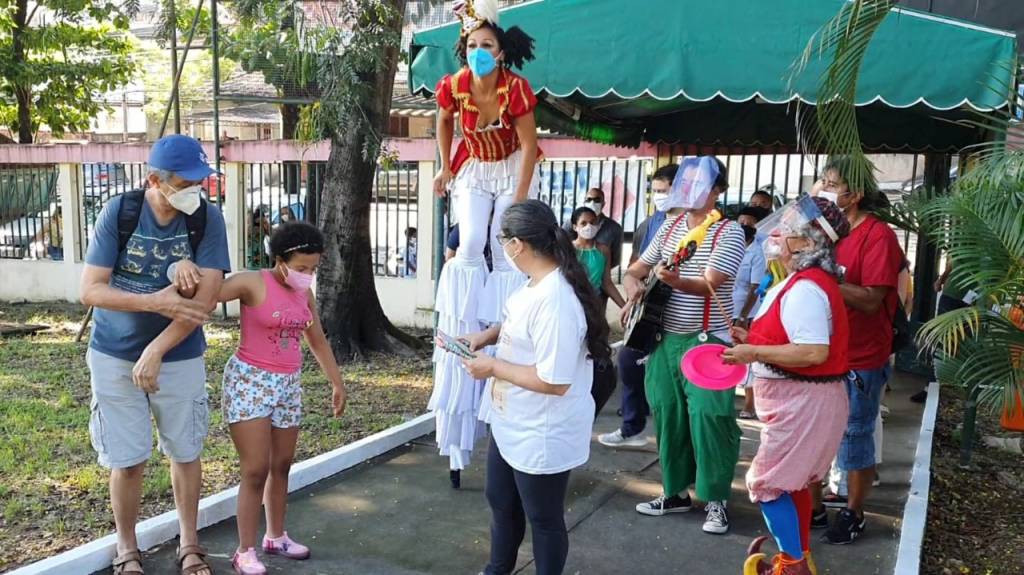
<point>481,62</point>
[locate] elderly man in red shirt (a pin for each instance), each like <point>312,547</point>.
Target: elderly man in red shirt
<point>872,257</point>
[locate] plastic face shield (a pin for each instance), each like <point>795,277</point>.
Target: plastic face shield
<point>693,182</point>
<point>793,219</point>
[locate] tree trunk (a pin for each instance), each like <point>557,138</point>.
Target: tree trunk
<point>24,115</point>
<point>349,306</point>
<point>289,121</point>
<point>22,93</point>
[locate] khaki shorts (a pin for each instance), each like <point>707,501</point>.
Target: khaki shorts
<point>120,426</point>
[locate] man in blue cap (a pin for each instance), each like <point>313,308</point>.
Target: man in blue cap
<point>146,352</point>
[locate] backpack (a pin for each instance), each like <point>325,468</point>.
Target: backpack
<point>130,210</point>
<point>902,336</point>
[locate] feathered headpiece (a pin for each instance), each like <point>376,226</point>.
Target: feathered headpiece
<point>475,13</point>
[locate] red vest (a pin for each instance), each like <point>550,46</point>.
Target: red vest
<point>768,329</point>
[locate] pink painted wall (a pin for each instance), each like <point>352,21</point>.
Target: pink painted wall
<point>410,150</point>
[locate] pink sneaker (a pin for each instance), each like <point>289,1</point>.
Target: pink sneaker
<point>285,547</point>
<point>248,563</point>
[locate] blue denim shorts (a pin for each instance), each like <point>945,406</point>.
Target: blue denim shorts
<point>864,388</point>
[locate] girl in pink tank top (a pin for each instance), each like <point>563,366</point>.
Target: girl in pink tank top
<point>262,397</point>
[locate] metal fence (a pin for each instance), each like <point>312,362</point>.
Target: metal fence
<point>30,212</point>
<point>102,181</point>
<point>283,191</point>
<point>626,184</point>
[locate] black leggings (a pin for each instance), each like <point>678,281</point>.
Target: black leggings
<point>515,497</point>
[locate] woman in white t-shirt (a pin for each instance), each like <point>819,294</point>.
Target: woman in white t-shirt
<point>537,399</point>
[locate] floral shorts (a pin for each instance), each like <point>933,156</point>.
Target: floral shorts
<point>252,393</point>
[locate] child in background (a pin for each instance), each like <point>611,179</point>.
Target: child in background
<point>594,257</point>
<point>596,261</point>
<point>262,395</point>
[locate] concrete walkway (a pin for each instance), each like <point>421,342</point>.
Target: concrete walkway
<point>396,515</point>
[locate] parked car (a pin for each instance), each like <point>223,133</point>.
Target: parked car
<point>18,235</point>
<point>103,180</point>
<point>918,182</point>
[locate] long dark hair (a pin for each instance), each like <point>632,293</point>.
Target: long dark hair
<point>534,223</point>
<point>517,45</point>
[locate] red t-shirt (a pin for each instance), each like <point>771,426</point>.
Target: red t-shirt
<point>872,257</point>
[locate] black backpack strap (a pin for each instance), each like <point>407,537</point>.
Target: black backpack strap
<point>196,226</point>
<point>128,213</point>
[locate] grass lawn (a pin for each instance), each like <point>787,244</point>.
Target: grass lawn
<point>53,495</point>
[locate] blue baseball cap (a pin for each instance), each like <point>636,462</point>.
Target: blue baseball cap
<point>182,155</point>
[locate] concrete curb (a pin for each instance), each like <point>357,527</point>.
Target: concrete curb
<point>98,554</point>
<point>915,514</point>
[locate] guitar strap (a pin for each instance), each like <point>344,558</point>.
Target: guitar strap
<point>707,299</point>
<point>672,228</point>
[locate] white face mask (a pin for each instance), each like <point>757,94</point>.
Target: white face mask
<point>772,248</point>
<point>660,201</point>
<point>587,232</point>
<point>512,259</point>
<point>830,196</point>
<point>186,200</point>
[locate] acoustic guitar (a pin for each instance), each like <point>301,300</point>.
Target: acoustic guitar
<point>646,317</point>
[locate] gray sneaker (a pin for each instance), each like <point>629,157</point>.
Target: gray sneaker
<point>717,521</point>
<point>615,439</point>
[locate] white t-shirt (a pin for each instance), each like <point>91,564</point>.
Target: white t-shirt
<point>537,433</point>
<point>806,317</point>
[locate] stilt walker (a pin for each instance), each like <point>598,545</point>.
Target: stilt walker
<point>494,166</point>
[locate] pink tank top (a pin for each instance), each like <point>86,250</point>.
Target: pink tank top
<point>272,331</point>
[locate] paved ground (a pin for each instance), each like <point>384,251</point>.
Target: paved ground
<point>396,515</point>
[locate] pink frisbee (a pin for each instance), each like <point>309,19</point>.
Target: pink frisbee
<point>703,366</point>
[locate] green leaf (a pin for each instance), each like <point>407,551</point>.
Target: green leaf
<point>68,64</point>
<point>833,127</point>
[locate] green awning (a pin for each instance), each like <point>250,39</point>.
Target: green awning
<point>717,71</point>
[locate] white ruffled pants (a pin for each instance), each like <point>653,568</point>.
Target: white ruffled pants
<point>469,298</point>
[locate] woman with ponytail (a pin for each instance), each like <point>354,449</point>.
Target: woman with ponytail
<point>493,167</point>
<point>537,399</point>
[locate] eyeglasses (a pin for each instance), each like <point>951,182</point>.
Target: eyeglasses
<point>598,200</point>
<point>503,239</point>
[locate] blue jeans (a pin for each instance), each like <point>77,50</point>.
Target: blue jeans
<point>864,388</point>
<point>516,497</point>
<point>634,399</point>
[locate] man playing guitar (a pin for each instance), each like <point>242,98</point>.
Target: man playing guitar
<point>698,439</point>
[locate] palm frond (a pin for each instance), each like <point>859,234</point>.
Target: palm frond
<point>833,128</point>
<point>977,347</point>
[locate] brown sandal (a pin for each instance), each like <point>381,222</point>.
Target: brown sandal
<point>198,551</point>
<point>125,558</point>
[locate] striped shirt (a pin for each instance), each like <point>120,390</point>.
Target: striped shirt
<point>685,312</point>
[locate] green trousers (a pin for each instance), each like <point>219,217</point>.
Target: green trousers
<point>698,439</point>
